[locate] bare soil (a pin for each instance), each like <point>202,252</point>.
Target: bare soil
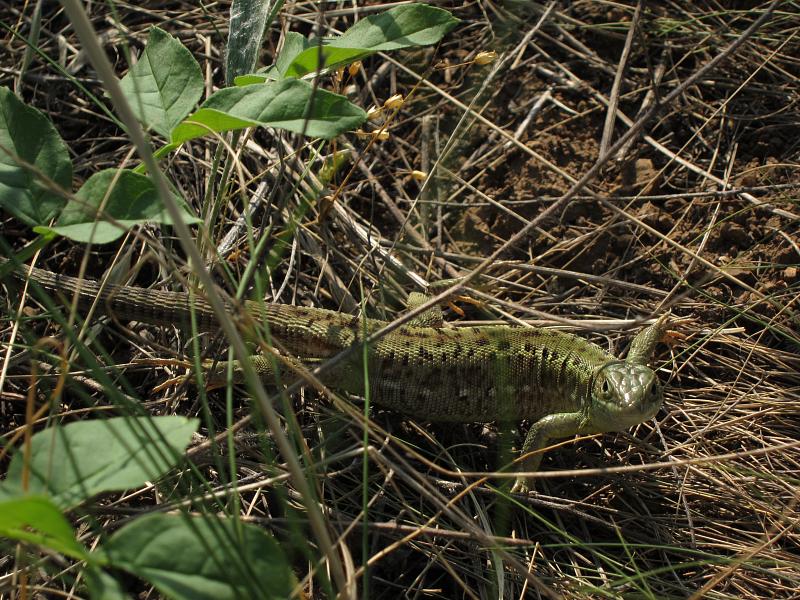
<point>698,216</point>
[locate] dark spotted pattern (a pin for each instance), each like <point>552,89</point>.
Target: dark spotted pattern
<point>475,374</point>
<point>438,373</point>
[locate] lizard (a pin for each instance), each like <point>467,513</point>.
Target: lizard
<point>562,383</point>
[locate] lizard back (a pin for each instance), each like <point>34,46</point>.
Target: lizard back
<point>456,374</point>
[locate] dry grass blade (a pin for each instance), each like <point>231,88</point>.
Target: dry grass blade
<point>618,160</point>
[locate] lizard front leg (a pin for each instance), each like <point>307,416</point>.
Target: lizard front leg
<point>559,425</point>
<point>644,344</point>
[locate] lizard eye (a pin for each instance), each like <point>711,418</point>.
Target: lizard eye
<point>605,388</point>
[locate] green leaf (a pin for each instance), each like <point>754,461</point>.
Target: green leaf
<point>165,85</point>
<point>202,557</point>
<point>399,27</point>
<point>103,586</point>
<point>27,134</point>
<point>290,104</point>
<point>70,463</point>
<point>270,75</point>
<point>293,45</point>
<point>249,18</point>
<point>125,196</point>
<point>36,520</point>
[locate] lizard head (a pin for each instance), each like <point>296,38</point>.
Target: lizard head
<point>623,395</point>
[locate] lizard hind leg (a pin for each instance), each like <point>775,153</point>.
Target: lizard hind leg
<point>269,369</point>
<point>433,317</point>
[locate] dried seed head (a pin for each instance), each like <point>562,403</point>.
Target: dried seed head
<point>374,112</point>
<point>325,205</point>
<point>394,102</point>
<point>354,68</point>
<point>484,58</point>
<point>419,175</point>
<point>381,135</point>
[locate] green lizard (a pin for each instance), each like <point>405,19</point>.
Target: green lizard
<point>563,384</point>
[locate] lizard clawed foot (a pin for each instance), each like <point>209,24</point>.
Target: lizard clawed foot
<point>171,382</point>
<point>522,485</point>
<point>211,383</point>
<point>671,338</point>
<point>167,362</point>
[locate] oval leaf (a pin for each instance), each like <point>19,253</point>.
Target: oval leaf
<point>202,557</point>
<point>125,196</point>
<point>37,520</point>
<point>290,104</point>
<point>165,85</point>
<point>294,44</point>
<point>399,27</point>
<point>27,134</point>
<point>70,463</point>
<point>102,586</point>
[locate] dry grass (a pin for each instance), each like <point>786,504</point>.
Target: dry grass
<point>698,216</point>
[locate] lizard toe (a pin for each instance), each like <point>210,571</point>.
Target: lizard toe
<point>522,485</point>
